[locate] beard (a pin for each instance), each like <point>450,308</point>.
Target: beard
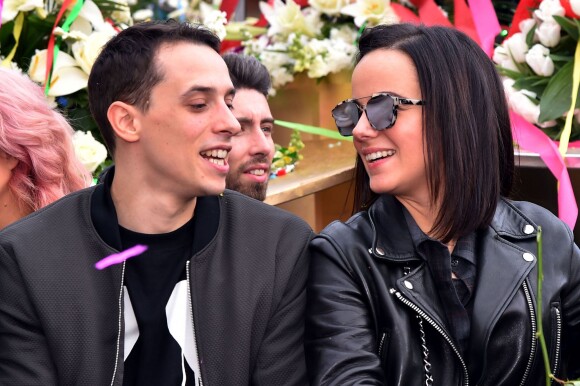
<point>252,189</point>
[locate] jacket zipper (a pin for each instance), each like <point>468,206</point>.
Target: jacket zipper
<point>119,332</point>
<point>381,344</point>
<point>426,317</point>
<point>187,272</point>
<point>534,331</point>
<point>558,341</point>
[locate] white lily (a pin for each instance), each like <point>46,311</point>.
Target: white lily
<point>67,77</point>
<point>86,51</point>
<point>285,18</point>
<point>12,7</point>
<point>372,11</point>
<point>331,7</point>
<point>214,19</point>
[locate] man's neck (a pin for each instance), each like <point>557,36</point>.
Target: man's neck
<point>144,208</point>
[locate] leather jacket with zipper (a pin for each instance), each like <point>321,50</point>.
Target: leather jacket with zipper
<point>61,320</point>
<point>374,316</point>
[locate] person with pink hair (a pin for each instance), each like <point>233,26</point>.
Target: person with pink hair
<point>37,160</point>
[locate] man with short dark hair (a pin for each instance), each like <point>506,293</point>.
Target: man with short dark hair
<point>253,147</point>
<point>217,298</point>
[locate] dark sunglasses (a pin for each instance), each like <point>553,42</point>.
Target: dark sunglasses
<point>381,110</point>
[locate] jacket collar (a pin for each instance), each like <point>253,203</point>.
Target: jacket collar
<point>392,240</point>
<point>502,266</point>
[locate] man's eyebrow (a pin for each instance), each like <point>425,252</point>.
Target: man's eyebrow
<point>206,90</point>
<point>246,120</point>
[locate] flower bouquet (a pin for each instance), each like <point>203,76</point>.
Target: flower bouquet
<point>537,61</point>
<point>55,43</point>
<point>540,62</point>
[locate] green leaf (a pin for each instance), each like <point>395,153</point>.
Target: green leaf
<point>561,58</point>
<point>509,73</point>
<point>557,95</point>
<point>568,25</point>
<point>312,130</point>
<point>536,84</point>
<point>530,36</point>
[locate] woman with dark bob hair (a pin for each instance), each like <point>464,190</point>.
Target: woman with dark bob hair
<point>434,280</point>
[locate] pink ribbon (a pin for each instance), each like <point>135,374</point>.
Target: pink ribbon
<point>486,23</point>
<point>1,6</point>
<point>531,138</point>
<point>117,258</point>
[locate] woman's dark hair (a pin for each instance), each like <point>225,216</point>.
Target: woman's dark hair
<point>248,72</point>
<point>466,125</point>
<point>126,70</point>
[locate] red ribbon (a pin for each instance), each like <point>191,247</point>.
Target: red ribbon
<point>523,11</point>
<point>51,40</point>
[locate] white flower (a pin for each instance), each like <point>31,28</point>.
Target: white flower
<point>331,7</point>
<point>372,11</point>
<point>522,105</point>
<point>549,33</point>
<point>214,19</point>
<point>142,15</point>
<point>538,58</point>
<point>526,26</point>
<point>67,77</point>
<point>87,50</point>
<point>123,13</point>
<point>12,7</point>
<point>88,150</point>
<point>575,5</point>
<point>285,18</point>
<point>549,8</point>
<point>502,57</point>
<point>516,46</point>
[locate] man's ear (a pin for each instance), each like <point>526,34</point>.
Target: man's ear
<point>124,120</point>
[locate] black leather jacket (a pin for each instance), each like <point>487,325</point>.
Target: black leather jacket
<point>374,316</point>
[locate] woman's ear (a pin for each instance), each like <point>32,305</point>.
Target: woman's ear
<point>8,161</point>
<point>123,118</point>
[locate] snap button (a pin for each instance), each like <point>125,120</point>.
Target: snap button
<point>408,284</point>
<point>380,251</point>
<point>528,229</point>
<point>528,256</point>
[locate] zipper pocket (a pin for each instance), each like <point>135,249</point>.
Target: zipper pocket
<point>383,345</point>
<point>556,336</point>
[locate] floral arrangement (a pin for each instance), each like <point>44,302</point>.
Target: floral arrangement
<point>55,42</point>
<point>286,158</point>
<point>317,39</point>
<point>537,61</point>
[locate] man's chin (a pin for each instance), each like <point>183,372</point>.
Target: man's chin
<point>257,191</point>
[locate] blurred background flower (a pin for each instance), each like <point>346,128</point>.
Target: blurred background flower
<point>537,62</point>
<point>32,31</point>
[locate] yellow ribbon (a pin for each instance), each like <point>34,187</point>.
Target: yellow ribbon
<point>16,32</point>
<point>565,137</point>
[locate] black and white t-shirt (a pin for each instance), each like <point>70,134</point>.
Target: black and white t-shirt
<point>159,335</point>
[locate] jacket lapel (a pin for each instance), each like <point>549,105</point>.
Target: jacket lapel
<point>502,267</point>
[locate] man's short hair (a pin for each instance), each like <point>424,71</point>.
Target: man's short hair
<point>126,71</point>
<point>247,72</point>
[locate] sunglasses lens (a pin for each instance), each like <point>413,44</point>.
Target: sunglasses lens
<point>346,116</point>
<point>380,111</point>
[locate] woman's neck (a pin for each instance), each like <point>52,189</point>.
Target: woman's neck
<point>424,213</point>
